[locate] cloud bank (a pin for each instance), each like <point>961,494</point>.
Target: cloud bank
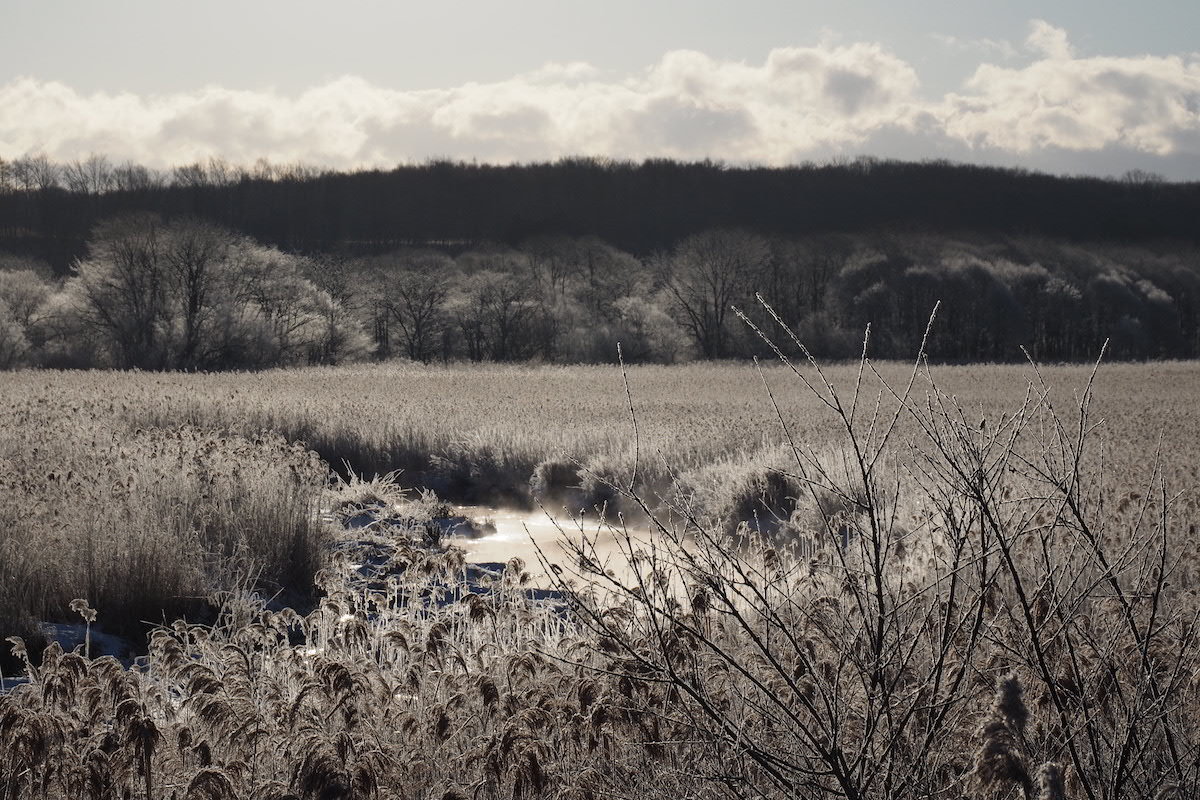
<point>800,103</point>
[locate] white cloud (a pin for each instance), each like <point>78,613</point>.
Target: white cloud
<point>1149,104</point>
<point>687,104</point>
<point>1048,41</point>
<point>799,102</point>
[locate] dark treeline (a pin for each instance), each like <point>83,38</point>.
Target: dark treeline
<point>48,210</point>
<point>183,293</point>
<point>211,267</point>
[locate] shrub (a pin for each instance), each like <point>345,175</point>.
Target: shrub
<point>976,561</point>
<point>557,481</point>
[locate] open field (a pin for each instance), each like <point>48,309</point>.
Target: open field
<point>989,599</point>
<point>183,470</point>
<point>478,432</point>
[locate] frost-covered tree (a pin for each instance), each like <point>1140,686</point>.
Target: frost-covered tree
<point>14,346</point>
<point>187,294</point>
<point>25,290</point>
<point>704,276</point>
<point>414,287</point>
<point>119,290</point>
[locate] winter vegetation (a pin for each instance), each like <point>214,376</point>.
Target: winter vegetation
<point>240,409</point>
<point>857,581</point>
<point>218,266</point>
<point>169,294</point>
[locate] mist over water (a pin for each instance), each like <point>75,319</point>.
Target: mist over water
<point>522,534</point>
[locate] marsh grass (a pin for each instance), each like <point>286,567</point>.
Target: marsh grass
<point>419,689</point>
<point>972,563</point>
<point>478,433</point>
<point>996,596</point>
<point>144,524</point>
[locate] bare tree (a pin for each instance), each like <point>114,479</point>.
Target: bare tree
<point>195,254</point>
<point>606,274</point>
<point>415,285</point>
<point>221,172</point>
<point>704,276</point>
<point>263,170</point>
<point>92,176</point>
<point>34,173</point>
<point>493,311</point>
<point>131,177</point>
<point>24,291</point>
<point>190,175</point>
<point>272,283</point>
<point>554,259</point>
<point>152,289</point>
<point>339,337</point>
<point>336,275</point>
<point>121,288</point>
<point>13,343</point>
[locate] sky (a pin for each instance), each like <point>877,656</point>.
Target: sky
<point>1070,87</point>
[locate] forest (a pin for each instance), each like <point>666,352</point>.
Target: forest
<point>212,266</point>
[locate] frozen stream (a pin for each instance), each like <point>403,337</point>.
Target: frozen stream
<point>501,534</point>
<point>511,532</point>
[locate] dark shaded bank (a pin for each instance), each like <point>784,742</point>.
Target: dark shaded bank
<point>485,478</point>
<point>458,477</point>
<point>762,495</point>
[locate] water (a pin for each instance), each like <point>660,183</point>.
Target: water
<point>520,534</point>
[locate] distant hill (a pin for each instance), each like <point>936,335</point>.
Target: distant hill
<point>639,207</point>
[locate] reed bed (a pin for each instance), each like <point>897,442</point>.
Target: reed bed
<point>145,523</point>
<point>980,584</point>
<point>478,433</point>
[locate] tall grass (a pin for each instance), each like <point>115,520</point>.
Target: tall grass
<point>478,433</point>
<point>982,607</point>
<point>119,485</point>
<point>976,616</point>
<point>144,523</point>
